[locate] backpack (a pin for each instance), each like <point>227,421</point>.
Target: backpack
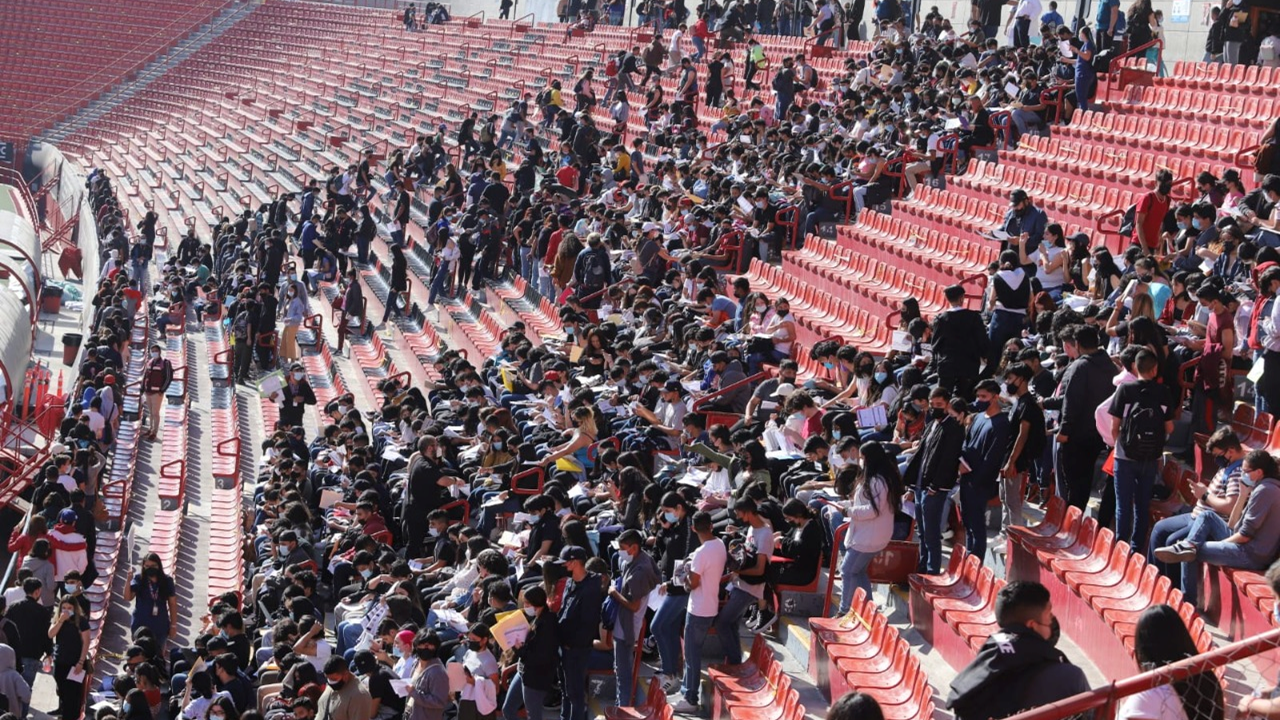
<point>611,70</point>
<point>544,98</point>
<point>742,556</point>
<point>595,273</point>
<point>1142,433</point>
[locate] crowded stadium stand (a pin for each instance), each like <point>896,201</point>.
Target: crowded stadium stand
<point>373,361</point>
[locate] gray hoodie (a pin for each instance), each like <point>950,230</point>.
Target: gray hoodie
<point>12,686</point>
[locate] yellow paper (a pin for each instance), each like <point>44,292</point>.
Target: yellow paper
<point>511,629</point>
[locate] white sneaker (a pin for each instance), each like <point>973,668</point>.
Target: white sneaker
<point>684,707</point>
<point>669,683</point>
<point>1181,551</point>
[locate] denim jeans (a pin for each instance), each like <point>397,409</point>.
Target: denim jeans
<point>573,663</point>
<point>930,523</point>
<point>853,574</point>
<point>519,696</point>
<point>817,216</point>
<point>348,635</point>
<point>700,48</point>
<point>666,631</point>
<point>1025,120</point>
<point>973,512</point>
<point>439,282</point>
<point>526,264</point>
<point>695,632</point>
<point>30,668</point>
<point>1004,326</point>
<point>1167,532</point>
<point>624,665</point>
<point>1208,529</point>
<point>1134,480</point>
<point>726,622</point>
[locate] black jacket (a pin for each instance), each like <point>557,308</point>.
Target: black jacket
<point>33,620</point>
<point>1085,385</point>
<point>959,343</point>
<point>579,619</point>
<point>936,464</point>
<point>540,655</point>
<point>1015,669</point>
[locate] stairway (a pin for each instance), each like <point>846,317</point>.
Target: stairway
<point>154,70</point>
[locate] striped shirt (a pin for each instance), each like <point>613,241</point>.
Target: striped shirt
<point>1224,485</point>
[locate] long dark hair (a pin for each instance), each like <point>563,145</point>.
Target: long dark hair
<point>855,706</point>
<point>876,461</point>
<point>1162,638</point>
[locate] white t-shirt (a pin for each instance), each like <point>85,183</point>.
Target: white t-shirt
<point>1159,703</point>
<point>708,562</point>
<point>760,539</point>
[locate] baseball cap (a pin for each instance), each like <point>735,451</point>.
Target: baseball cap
<point>1018,196</point>
<point>650,227</point>
<point>572,552</point>
<point>784,390</point>
<point>552,375</point>
<point>67,516</point>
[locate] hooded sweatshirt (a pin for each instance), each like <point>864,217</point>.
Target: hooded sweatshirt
<point>70,551</point>
<point>1015,669</point>
<point>13,687</point>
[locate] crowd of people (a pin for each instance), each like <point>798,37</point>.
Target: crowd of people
<point>499,538</point>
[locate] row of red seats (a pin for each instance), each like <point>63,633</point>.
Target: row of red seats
<point>655,706</point>
<point>1184,137</point>
<point>1098,584</point>
<point>1130,168</point>
<point>840,271</point>
<point>758,689</point>
<point>1057,195</point>
<point>819,316</point>
<point>938,255</point>
<point>541,318</point>
<point>955,612</point>
<point>226,526</point>
<point>1223,107</point>
<point>862,652</point>
<point>171,483</point>
<point>1221,78</point>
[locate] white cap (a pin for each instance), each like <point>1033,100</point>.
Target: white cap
<point>784,390</point>
<point>650,227</point>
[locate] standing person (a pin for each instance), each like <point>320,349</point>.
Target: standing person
<point>1026,442</point>
<point>1149,214</point>
<point>1086,78</point>
<point>398,285</point>
<point>747,585</point>
<point>242,339</point>
<point>293,312</point>
<point>675,541</point>
<point>70,635</point>
<point>959,343</point>
<point>538,656</point>
<point>294,396</point>
<point>429,683</point>
<point>1008,303</point>
<point>1142,415</point>
<point>636,578</point>
<point>15,689</point>
<point>701,577</point>
<point>1107,22</point>
<point>874,500</point>
<point>157,376</point>
<point>1085,385</point>
<point>1161,638</point>
<point>478,699</point>
<point>932,472</point>
<point>985,447</point>
<point>1235,30</point>
<point>33,620</point>
<point>578,625</point>
<point>353,307</point>
<point>155,600</point>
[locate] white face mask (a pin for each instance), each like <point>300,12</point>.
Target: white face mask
<point>299,376</point>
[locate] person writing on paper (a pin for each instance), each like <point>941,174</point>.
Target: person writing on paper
<point>782,331</point>
<point>478,699</point>
<point>538,657</point>
<point>667,418</point>
<point>768,395</point>
<point>429,685</point>
<point>804,418</point>
<point>574,450</point>
<point>637,577</point>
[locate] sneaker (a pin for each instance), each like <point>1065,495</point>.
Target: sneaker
<point>684,707</point>
<point>1181,551</point>
<point>751,617</point>
<point>669,684</point>
<point>767,620</point>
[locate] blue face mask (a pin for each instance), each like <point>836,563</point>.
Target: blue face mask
<point>1182,225</point>
<point>836,434</point>
<point>1195,223</point>
<point>125,708</point>
<point>670,517</point>
<point>880,377</point>
<point>798,417</point>
<point>366,573</point>
<point>828,365</point>
<point>497,444</point>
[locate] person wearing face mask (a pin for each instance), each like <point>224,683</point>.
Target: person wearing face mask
<point>932,472</point>
<point>1018,667</point>
<point>985,446</point>
<point>1150,212</point>
<point>294,396</point>
<point>292,312</point>
<point>156,377</point>
<point>344,697</point>
<point>537,656</point>
<point>637,576</point>
<point>377,677</point>
<point>429,683</point>
<point>155,599</point>
<point>1248,539</point>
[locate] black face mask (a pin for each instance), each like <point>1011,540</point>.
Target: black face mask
<point>427,653</point>
<point>1055,631</point>
<point>1164,188</point>
<point>152,572</point>
<point>1011,387</point>
<point>937,413</point>
<point>337,684</point>
<point>473,645</point>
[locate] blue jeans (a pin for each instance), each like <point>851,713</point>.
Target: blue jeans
<point>30,668</point>
<point>695,632</point>
<point>519,696</point>
<point>666,631</point>
<point>1003,327</point>
<point>930,523</point>
<point>853,573</point>
<point>526,264</point>
<point>1208,532</point>
<point>573,662</point>
<point>624,667</point>
<point>726,622</point>
<point>348,635</point>
<point>1167,532</point>
<point>439,282</point>
<point>817,216</point>
<point>1134,480</point>
<point>973,511</point>
<point>700,46</point>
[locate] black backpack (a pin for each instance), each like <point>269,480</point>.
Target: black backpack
<point>1142,433</point>
<point>743,557</point>
<point>595,272</point>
